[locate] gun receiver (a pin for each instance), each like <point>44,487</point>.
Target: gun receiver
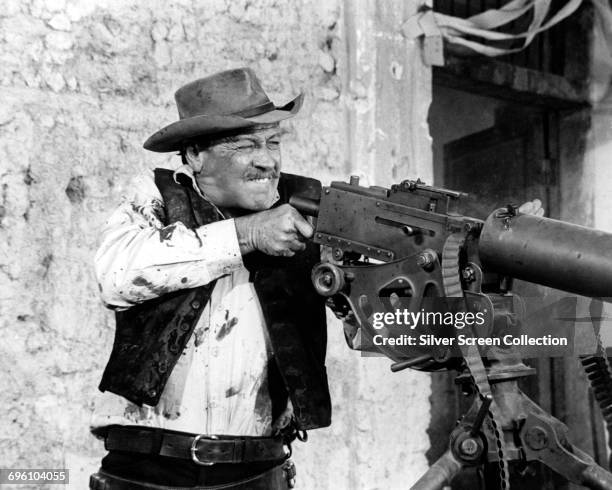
<point>384,224</point>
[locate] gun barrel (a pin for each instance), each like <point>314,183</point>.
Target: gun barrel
<point>549,252</point>
<point>307,207</point>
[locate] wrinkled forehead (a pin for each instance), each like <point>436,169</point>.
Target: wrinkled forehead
<point>261,131</point>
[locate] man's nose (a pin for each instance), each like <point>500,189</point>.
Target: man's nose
<point>264,159</point>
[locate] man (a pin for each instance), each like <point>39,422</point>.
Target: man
<point>218,359</point>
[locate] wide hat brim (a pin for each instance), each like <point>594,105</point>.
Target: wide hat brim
<point>170,137</point>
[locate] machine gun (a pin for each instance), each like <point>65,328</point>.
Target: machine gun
<point>405,247</point>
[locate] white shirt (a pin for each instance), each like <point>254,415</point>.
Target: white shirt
<point>219,384</point>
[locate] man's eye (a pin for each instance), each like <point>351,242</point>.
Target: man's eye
<point>273,144</point>
<point>245,145</point>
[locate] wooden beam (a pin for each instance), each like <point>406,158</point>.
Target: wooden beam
<point>485,76</point>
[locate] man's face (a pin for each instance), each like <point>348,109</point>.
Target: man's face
<point>242,171</point>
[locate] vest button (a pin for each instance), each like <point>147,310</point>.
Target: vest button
<point>185,326</point>
<point>162,367</point>
<point>196,304</point>
<point>152,393</point>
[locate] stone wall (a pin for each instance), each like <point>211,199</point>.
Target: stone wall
<point>84,82</point>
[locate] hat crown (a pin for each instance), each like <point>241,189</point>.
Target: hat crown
<point>230,92</point>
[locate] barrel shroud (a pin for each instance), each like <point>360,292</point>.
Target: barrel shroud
<point>549,252</point>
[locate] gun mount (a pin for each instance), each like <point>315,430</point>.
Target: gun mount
<point>406,246</point>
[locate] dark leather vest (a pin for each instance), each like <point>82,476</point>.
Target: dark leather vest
<point>150,337</point>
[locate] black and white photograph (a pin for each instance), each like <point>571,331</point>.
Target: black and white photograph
<point>322,245</point>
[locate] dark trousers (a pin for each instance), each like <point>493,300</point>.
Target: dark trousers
<point>130,471</point>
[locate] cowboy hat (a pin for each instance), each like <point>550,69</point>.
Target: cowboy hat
<point>225,101</point>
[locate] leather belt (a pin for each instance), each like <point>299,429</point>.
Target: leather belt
<point>202,449</point>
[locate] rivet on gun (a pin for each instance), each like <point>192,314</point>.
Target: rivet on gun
<point>378,252</point>
<point>326,191</point>
<point>389,254</point>
<point>318,235</point>
<point>425,258</point>
<point>377,203</point>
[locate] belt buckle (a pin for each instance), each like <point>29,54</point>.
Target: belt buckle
<point>194,447</point>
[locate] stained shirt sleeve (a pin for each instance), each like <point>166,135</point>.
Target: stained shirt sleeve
<point>140,258</point>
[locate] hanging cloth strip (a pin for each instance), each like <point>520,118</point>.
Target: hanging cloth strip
<point>601,62</point>
<point>454,29</point>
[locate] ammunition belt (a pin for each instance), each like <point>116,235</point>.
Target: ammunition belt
<point>471,354</point>
<point>597,369</point>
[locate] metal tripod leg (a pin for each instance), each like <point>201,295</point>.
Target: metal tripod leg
<point>545,439</point>
<point>541,437</point>
<point>440,473</point>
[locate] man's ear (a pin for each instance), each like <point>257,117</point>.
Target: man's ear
<point>194,158</point>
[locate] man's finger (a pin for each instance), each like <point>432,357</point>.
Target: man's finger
<point>303,226</point>
<point>532,207</point>
<point>297,246</point>
<point>526,208</point>
<point>298,236</point>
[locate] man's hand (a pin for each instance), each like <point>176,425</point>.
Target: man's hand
<point>278,231</point>
<point>532,207</point>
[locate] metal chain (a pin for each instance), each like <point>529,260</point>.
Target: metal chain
<point>471,354</point>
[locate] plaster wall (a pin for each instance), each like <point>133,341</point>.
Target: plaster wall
<point>84,82</point>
